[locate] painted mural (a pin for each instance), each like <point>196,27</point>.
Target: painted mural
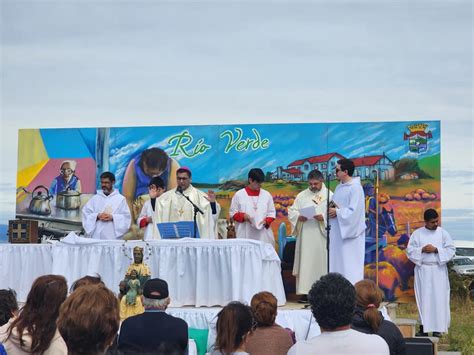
<point>56,166</point>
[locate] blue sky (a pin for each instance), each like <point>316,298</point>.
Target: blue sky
<point>149,63</point>
<point>286,143</point>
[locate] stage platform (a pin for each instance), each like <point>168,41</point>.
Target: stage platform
<point>199,272</point>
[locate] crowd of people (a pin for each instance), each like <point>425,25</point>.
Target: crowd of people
<point>345,306</point>
<point>86,321</point>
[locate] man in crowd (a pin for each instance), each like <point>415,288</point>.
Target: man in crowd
<point>310,253</point>
<point>106,215</point>
<point>347,221</point>
<point>147,219</point>
<point>154,330</point>
<point>174,207</point>
<point>253,210</point>
<point>430,248</point>
<point>332,301</point>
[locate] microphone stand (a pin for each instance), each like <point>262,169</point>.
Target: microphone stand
<point>376,173</point>
<point>328,226</point>
<point>196,210</point>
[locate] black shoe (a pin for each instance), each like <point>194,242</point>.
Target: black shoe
<point>437,334</point>
<point>421,333</point>
<point>303,299</point>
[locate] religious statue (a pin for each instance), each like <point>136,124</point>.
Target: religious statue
<point>135,277</point>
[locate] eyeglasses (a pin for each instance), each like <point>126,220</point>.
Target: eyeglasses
<point>65,170</point>
<point>182,178</point>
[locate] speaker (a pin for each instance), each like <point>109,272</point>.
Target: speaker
<point>419,346</point>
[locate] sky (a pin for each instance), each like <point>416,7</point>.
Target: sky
<point>153,63</point>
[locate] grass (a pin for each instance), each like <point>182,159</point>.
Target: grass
<point>461,332</point>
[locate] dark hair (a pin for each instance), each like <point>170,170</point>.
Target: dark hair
<point>367,293</point>
<point>154,157</point>
<point>315,175</point>
<point>157,181</point>
<point>38,315</point>
<point>430,214</point>
<point>86,280</point>
<point>332,300</point>
<point>184,170</point>
<point>89,319</point>
<point>108,175</point>
<point>234,321</point>
<point>256,174</point>
<point>264,308</point>
<point>8,305</point>
<point>347,164</point>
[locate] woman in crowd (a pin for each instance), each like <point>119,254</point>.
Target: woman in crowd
<point>268,337</point>
<point>234,323</point>
<point>367,318</point>
<point>8,306</point>
<point>86,281</point>
<point>34,330</point>
<point>89,320</point>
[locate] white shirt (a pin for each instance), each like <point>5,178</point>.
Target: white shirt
<point>342,342</point>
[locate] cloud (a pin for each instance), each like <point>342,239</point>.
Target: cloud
<point>363,149</point>
<point>461,174</point>
<point>118,154</point>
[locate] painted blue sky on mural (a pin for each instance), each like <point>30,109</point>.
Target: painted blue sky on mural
<point>264,145</point>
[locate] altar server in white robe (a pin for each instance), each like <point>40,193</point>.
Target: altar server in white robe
<point>347,221</point>
<point>310,253</point>
<point>253,210</point>
<point>430,248</point>
<point>106,215</point>
<point>174,207</point>
<point>148,216</point>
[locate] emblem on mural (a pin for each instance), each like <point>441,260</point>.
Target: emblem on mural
<point>418,138</point>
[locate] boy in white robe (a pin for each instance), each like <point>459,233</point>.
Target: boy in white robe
<point>347,221</point>
<point>106,215</point>
<point>253,210</point>
<point>310,253</point>
<point>430,248</point>
<point>174,207</point>
<point>148,216</point>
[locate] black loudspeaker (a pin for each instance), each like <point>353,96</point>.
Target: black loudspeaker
<point>419,346</point>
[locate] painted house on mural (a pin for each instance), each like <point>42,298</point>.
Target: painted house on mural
<point>365,167</point>
<point>298,170</point>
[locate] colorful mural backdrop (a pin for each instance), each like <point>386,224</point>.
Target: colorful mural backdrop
<point>55,164</point>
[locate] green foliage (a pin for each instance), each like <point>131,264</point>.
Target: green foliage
<point>431,165</point>
<point>409,166</point>
<point>460,286</point>
<point>461,331</point>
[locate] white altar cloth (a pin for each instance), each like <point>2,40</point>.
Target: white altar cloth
<point>199,272</point>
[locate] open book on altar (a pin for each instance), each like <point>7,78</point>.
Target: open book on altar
<point>176,230</point>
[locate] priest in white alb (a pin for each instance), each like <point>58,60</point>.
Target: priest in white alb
<point>430,248</point>
<point>173,206</point>
<point>347,222</point>
<point>253,210</point>
<point>106,215</point>
<point>310,231</point>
